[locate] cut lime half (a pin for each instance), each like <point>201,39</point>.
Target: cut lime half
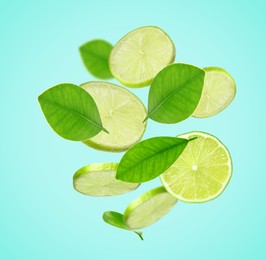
<point>148,208</point>
<point>140,55</point>
<point>99,180</point>
<point>202,171</point>
<point>218,92</point>
<point>122,114</point>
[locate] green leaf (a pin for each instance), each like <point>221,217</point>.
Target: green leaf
<point>95,55</point>
<point>71,112</point>
<point>115,219</point>
<point>175,93</point>
<point>150,158</point>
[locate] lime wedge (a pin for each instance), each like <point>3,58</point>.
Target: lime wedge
<point>202,171</point>
<point>218,92</point>
<point>99,180</point>
<point>122,114</point>
<point>148,208</point>
<point>140,55</point>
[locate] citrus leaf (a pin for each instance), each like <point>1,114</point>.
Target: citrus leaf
<point>95,55</point>
<point>71,112</point>
<point>175,93</point>
<point>115,219</point>
<point>149,158</point>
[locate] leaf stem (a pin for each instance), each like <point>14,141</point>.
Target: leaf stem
<point>193,138</point>
<point>105,130</point>
<point>139,233</point>
<point>145,119</point>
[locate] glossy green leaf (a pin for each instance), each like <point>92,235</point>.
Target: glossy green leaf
<point>150,158</point>
<point>175,93</point>
<point>95,55</point>
<point>71,112</point>
<point>115,219</point>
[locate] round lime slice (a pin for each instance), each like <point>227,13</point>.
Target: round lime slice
<point>99,180</point>
<point>218,92</point>
<point>148,208</point>
<point>202,171</point>
<point>140,55</point>
<point>122,114</point>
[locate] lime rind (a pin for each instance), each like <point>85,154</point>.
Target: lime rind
<point>214,100</point>
<point>138,83</point>
<point>99,180</point>
<point>95,167</point>
<point>148,208</point>
<point>176,164</point>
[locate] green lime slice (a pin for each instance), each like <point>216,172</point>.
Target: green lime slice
<point>122,114</point>
<point>218,92</point>
<point>148,208</point>
<point>140,55</point>
<point>202,171</point>
<point>99,180</point>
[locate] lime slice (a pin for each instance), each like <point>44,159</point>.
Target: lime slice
<point>122,114</point>
<point>201,172</point>
<point>140,55</point>
<point>148,208</point>
<point>99,180</point>
<point>218,92</point>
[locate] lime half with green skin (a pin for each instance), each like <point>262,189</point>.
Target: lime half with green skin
<point>99,180</point>
<point>140,55</point>
<point>201,172</point>
<point>148,208</point>
<point>122,114</point>
<point>218,92</point>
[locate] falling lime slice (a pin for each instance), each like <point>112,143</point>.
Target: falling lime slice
<point>140,55</point>
<point>218,92</point>
<point>99,180</point>
<point>122,114</point>
<point>202,171</point>
<point>148,208</point>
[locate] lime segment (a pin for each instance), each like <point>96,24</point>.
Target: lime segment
<point>99,180</point>
<point>148,208</point>
<point>140,55</point>
<point>202,171</point>
<point>122,114</point>
<point>218,92</point>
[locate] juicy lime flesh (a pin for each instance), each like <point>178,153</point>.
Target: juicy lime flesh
<point>140,55</point>
<point>99,180</point>
<point>218,92</point>
<point>201,172</point>
<point>122,114</point>
<point>149,208</point>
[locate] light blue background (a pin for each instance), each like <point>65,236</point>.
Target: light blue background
<point>42,217</point>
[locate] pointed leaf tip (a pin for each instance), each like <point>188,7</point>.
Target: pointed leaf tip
<point>71,112</point>
<point>149,158</point>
